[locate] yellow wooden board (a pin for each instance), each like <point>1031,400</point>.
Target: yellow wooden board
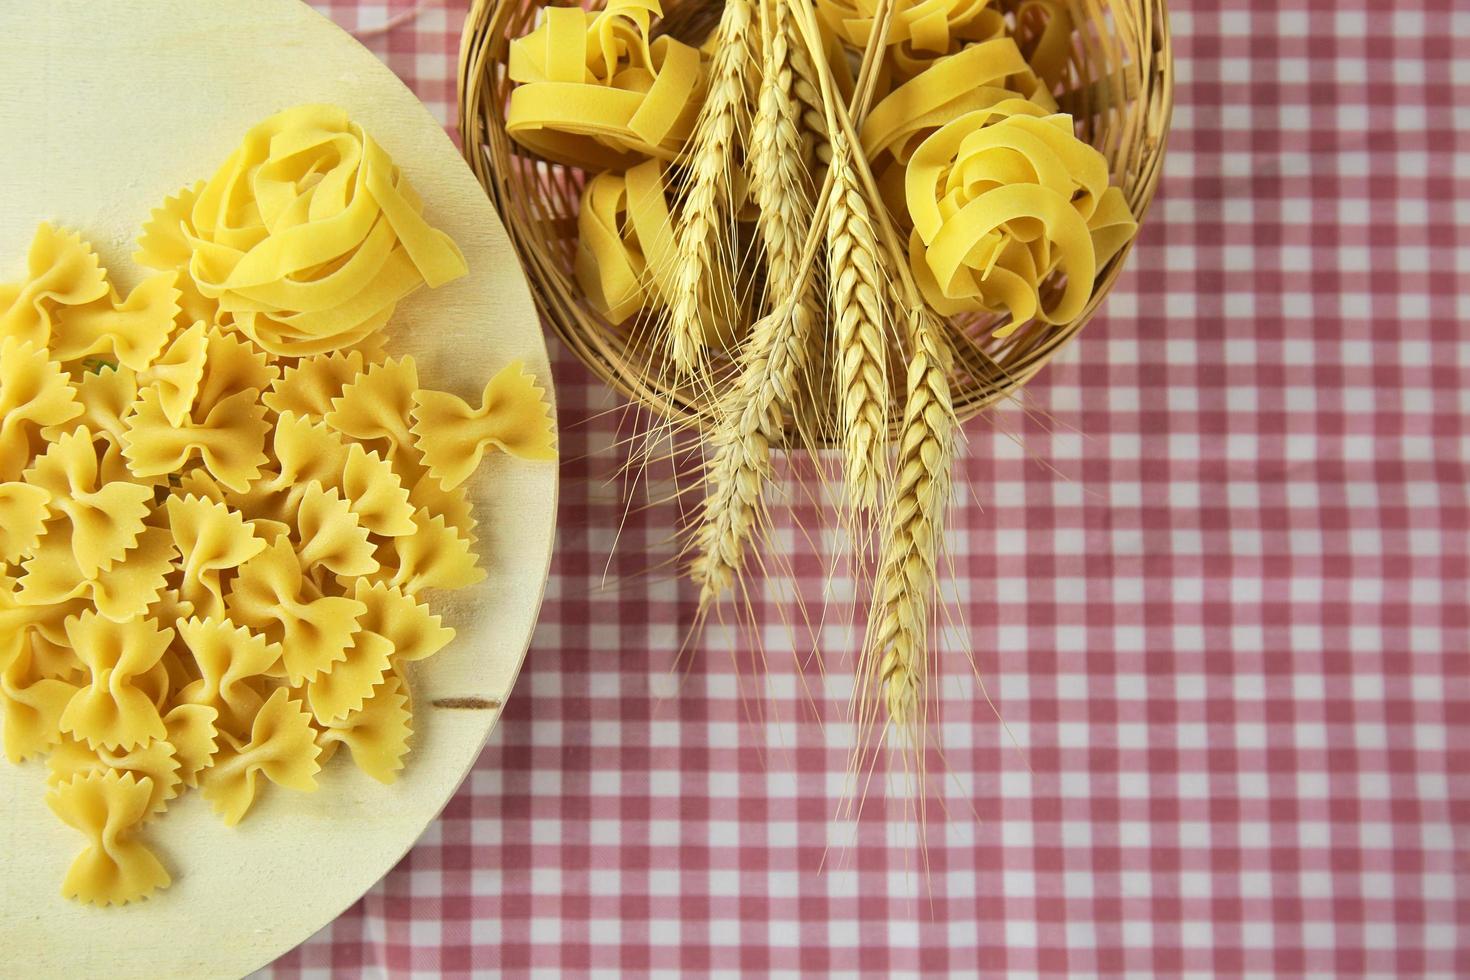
<point>105,108</point>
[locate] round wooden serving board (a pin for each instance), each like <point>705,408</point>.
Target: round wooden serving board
<point>107,108</point>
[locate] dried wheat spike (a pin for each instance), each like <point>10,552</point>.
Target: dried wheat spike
<point>806,87</point>
<point>701,232</point>
<point>778,174</point>
<point>898,630</point>
<point>855,285</point>
<point>741,443</point>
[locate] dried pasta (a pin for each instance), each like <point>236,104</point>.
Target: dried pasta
<point>224,510</point>
<point>1002,199</point>
<point>598,91</point>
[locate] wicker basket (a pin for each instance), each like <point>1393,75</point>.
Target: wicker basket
<point>1120,93</point>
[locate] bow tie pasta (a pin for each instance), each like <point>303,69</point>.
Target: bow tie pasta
<point>224,510</point>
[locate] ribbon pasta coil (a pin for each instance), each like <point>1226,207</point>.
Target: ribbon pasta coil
<point>596,91</point>
<point>224,512</point>
<point>1002,199</point>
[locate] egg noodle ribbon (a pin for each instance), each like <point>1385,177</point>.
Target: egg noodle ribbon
<point>594,91</point>
<point>1003,198</point>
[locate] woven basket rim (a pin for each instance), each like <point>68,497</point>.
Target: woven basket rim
<point>1147,115</point>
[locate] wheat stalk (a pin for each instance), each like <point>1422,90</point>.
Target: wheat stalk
<point>806,88</point>
<point>768,385</point>
<point>895,657</point>
<point>741,444</point>
<point>722,122</point>
<point>854,283</point>
<point>778,177</point>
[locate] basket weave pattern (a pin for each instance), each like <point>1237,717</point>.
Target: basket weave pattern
<point>1119,91</point>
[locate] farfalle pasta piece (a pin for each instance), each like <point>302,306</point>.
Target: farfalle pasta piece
<point>230,439</point>
<point>453,505</point>
<point>105,518</point>
<point>231,661</point>
<point>377,735</point>
<point>233,365</point>
<point>307,388</point>
<point>282,747</point>
<point>596,90</point>
<point>338,692</point>
<point>107,807</point>
<point>271,594</point>
<point>375,494</point>
<point>513,416</point>
<point>306,451</point>
<point>32,703</point>
<point>409,625</point>
<point>106,394</point>
<point>625,243</point>
<point>34,394</point>
<point>435,556</point>
<point>164,244</point>
<point>1000,201</point>
<point>177,372</point>
<point>133,330</point>
<point>329,535</point>
<point>112,710</point>
<point>23,513</point>
<point>61,271</point>
<point>51,575</point>
<point>374,406</point>
<point>193,733</point>
<point>211,538</point>
<point>156,762</point>
<point>308,235</point>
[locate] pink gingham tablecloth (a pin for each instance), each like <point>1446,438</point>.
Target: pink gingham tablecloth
<point>1221,597</point>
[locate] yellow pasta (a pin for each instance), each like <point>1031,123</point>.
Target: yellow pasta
<point>116,708</point>
<point>211,539</point>
<point>62,271</point>
<point>512,417</point>
<point>281,746</point>
<point>625,245</point>
<point>259,241</point>
<point>34,395</point>
<point>155,761</point>
<point>103,519</point>
<point>307,388</point>
<point>218,521</point>
<point>24,509</point>
<point>107,807</point>
<point>233,664</point>
<point>597,91</point>
<point>1002,199</point>
<point>374,406</point>
<point>377,736</point>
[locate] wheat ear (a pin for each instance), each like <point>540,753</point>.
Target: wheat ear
<point>778,176</point>
<point>854,284</point>
<point>741,445</point>
<point>766,390</point>
<point>699,238</point>
<point>806,88</point>
<point>896,653</point>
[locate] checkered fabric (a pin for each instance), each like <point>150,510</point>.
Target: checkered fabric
<point>1216,581</point>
